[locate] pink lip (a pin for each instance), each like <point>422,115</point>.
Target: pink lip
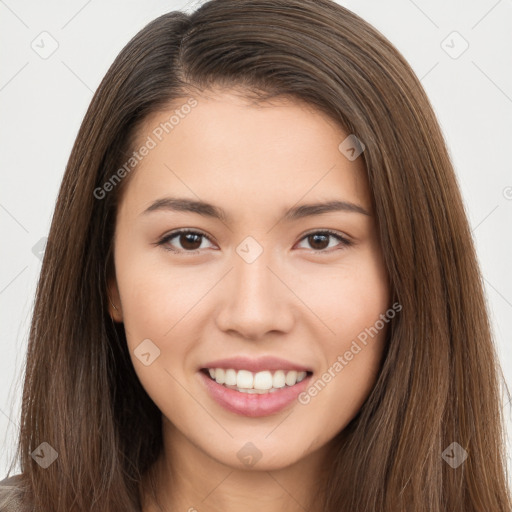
<point>253,405</point>
<point>256,365</point>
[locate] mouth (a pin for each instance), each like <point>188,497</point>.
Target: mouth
<point>260,383</point>
<point>254,394</point>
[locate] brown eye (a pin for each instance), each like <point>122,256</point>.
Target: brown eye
<point>184,241</point>
<point>319,241</point>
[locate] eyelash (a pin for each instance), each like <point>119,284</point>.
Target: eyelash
<point>167,238</point>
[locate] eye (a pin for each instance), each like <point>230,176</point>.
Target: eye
<point>190,241</point>
<point>319,239</point>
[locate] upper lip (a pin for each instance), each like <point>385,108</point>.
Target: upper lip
<point>256,364</point>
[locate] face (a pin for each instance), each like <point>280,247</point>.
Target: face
<point>221,270</point>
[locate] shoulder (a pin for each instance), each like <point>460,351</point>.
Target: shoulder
<point>10,498</point>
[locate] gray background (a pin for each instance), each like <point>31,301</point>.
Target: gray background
<point>43,99</point>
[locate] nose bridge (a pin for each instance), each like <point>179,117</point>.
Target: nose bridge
<point>253,280</point>
<point>257,301</point>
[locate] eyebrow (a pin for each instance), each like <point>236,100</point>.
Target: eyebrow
<point>209,210</point>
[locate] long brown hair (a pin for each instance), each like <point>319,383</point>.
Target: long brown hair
<point>439,381</point>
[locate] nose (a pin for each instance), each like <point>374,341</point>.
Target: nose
<point>257,300</point>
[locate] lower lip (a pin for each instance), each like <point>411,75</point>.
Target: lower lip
<point>253,405</point>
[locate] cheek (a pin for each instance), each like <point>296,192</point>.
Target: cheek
<point>154,294</point>
<point>364,297</point>
<point>157,317</point>
<point>348,297</point>
<point>158,305</point>
<point>338,391</point>
<point>354,309</point>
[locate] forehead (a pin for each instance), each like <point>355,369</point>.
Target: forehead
<point>221,147</point>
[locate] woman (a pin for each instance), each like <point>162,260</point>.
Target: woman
<point>194,348</point>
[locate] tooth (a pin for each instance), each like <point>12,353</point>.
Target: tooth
<point>263,380</point>
<point>244,379</point>
<point>230,378</point>
<point>220,375</point>
<point>291,378</point>
<point>278,380</point>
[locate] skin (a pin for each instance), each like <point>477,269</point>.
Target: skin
<point>299,300</point>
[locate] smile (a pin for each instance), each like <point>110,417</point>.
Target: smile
<point>260,382</point>
<point>281,389</point>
